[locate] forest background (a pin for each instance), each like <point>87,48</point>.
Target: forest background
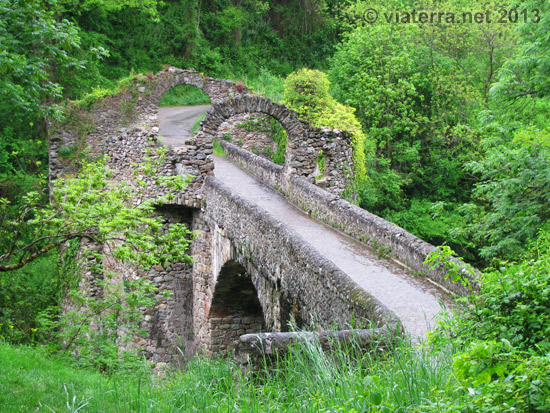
<point>453,117</point>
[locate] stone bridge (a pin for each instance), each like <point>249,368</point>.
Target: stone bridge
<point>274,247</point>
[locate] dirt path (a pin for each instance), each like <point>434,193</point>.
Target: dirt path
<point>176,122</point>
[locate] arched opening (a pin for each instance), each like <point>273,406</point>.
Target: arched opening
<point>180,112</point>
<point>235,308</point>
<point>256,132</point>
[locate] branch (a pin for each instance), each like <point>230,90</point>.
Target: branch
<point>22,262</point>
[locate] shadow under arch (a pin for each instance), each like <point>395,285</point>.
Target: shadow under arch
<point>235,308</point>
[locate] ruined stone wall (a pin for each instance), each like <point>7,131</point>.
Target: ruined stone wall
<point>306,144</point>
<point>131,148</point>
<point>125,125</point>
<point>169,325</point>
<point>368,228</point>
<point>250,131</point>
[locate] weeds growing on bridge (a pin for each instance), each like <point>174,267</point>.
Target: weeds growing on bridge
<point>306,380</point>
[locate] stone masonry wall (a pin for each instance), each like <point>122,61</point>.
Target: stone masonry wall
<point>249,131</point>
<point>291,278</point>
<point>169,325</point>
<point>368,228</point>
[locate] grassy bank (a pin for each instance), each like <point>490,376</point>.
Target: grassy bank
<point>308,380</point>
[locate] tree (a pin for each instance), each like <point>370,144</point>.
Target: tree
<point>528,73</point>
<point>93,207</point>
<point>511,199</point>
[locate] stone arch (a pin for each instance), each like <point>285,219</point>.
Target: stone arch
<point>255,132</point>
<point>305,142</point>
<point>235,308</point>
<point>217,90</point>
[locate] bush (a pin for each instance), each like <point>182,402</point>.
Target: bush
<point>504,332</point>
<point>306,91</point>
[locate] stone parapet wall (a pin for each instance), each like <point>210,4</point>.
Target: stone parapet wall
<point>368,228</point>
<point>286,271</point>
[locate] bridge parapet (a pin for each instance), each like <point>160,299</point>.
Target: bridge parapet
<point>293,280</point>
<point>402,246</point>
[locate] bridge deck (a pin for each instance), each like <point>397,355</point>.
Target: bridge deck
<point>415,302</point>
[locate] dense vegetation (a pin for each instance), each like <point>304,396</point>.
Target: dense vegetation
<point>451,131</point>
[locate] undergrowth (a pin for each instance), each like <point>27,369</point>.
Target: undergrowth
<point>184,95</point>
<point>306,380</point>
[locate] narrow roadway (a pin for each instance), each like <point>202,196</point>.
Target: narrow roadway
<point>414,301</point>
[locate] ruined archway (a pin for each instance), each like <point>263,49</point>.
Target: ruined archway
<point>256,132</point>
<point>235,308</point>
<point>180,111</point>
<point>217,90</point>
<point>305,143</point>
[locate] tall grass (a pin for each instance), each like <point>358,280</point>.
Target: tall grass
<point>197,123</point>
<point>306,379</point>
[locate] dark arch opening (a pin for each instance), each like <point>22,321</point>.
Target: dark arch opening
<point>235,308</point>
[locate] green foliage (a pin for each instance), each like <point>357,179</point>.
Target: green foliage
<point>526,74</point>
<point>512,195</point>
<point>264,83</point>
<point>442,257</point>
<point>279,135</point>
<point>89,327</point>
<point>34,44</point>
<point>184,95</point>
<point>305,379</point>
<point>24,295</point>
<point>197,123</point>
<point>504,333</point>
<point>434,222</point>
<point>91,206</point>
<point>307,92</point>
<point>218,148</point>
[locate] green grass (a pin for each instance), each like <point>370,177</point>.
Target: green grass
<point>184,95</point>
<point>218,148</point>
<point>197,124</point>
<point>307,380</point>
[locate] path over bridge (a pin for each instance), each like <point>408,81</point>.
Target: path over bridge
<point>265,254</point>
